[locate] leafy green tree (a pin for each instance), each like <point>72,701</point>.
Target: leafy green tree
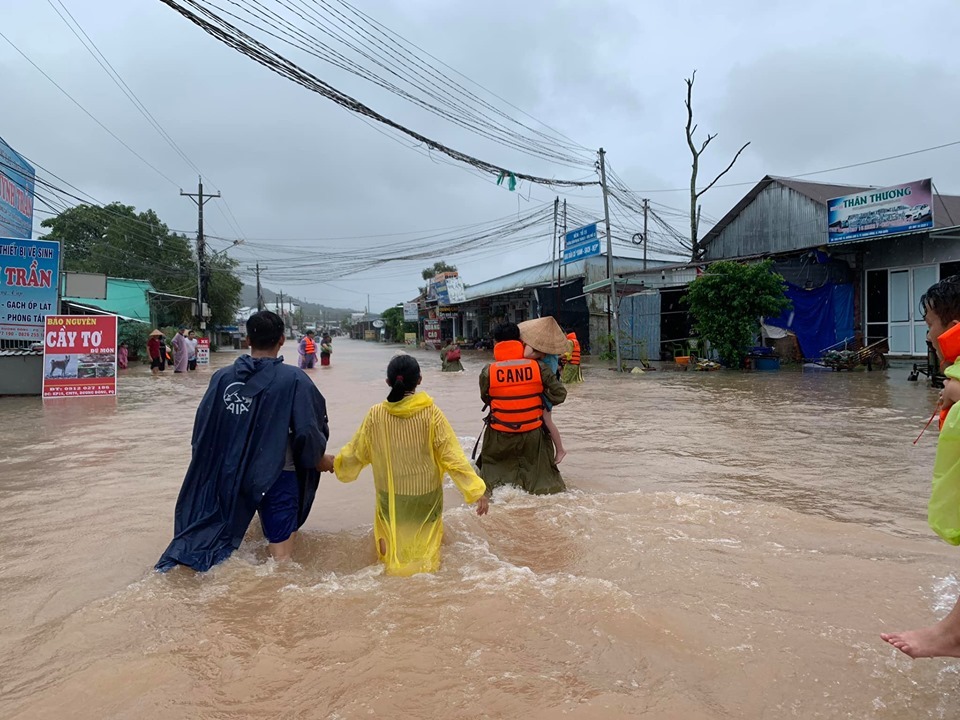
<point>436,269</point>
<point>728,301</point>
<point>118,241</point>
<point>393,322</point>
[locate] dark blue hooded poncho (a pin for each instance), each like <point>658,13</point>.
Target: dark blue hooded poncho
<point>250,412</point>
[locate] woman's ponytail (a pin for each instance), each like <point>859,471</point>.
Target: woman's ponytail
<point>403,374</point>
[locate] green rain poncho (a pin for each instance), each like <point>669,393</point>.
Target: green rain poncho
<point>411,445</point>
<point>943,512</point>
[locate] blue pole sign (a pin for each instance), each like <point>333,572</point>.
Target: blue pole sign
<point>581,243</point>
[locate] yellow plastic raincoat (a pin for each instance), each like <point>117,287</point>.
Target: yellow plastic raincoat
<point>943,512</point>
<point>411,445</point>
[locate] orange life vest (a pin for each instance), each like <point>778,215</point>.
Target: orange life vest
<point>575,355</point>
<point>309,346</point>
<point>516,387</point>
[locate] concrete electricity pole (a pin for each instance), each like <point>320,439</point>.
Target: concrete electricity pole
<point>613,321</point>
<point>646,207</point>
<point>203,271</point>
<point>260,304</point>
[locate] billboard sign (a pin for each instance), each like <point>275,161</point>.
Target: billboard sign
<point>411,312</point>
<point>581,243</point>
<point>884,211</point>
<point>29,278</point>
<point>431,332</point>
<point>16,194</point>
<point>456,292</point>
<point>203,351</point>
<point>79,356</point>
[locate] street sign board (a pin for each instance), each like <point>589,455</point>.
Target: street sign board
<point>79,356</point>
<point>881,211</point>
<point>29,278</point>
<point>581,243</point>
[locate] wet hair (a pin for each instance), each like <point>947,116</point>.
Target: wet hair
<point>506,331</point>
<point>265,330</point>
<point>943,299</point>
<point>403,374</point>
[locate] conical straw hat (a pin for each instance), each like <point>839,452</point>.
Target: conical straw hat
<point>156,333</point>
<point>544,335</point>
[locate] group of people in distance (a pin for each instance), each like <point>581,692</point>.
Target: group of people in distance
<point>307,350</point>
<point>183,354</point>
<point>260,444</point>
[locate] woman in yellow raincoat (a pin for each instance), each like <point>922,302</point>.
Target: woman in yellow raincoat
<point>411,445</point>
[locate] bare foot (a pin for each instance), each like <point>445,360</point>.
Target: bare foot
<point>561,454</point>
<point>933,641</point>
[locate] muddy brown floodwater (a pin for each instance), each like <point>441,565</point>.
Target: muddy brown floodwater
<point>731,547</point>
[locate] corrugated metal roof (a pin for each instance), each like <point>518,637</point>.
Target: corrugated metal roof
<point>546,273</point>
<point>767,229</point>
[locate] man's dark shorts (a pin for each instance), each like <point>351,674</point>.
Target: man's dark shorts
<point>192,365</point>
<point>280,507</point>
<point>158,364</point>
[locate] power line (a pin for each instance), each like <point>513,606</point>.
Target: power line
<point>87,112</point>
<point>231,36</point>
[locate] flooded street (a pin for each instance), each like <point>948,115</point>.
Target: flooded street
<point>731,547</point>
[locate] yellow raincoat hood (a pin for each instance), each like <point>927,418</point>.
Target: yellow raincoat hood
<point>411,446</point>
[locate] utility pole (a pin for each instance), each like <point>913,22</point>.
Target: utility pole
<point>203,272</point>
<point>556,254</point>
<point>646,206</point>
<point>564,233</point>
<point>613,321</point>
<point>260,303</point>
<point>281,313</point>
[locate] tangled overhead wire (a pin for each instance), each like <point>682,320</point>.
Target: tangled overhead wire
<point>232,36</point>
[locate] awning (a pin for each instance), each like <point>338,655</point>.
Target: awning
<point>91,310</point>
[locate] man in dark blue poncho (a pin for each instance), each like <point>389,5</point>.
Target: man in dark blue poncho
<point>258,445</point>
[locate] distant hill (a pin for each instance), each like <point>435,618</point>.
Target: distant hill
<point>248,298</point>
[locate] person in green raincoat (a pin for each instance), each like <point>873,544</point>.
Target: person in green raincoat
<point>513,455</point>
<point>450,357</point>
<point>941,310</point>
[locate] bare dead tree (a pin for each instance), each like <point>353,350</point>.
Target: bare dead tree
<point>695,194</point>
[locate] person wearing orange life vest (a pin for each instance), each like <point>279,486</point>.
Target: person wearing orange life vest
<point>517,449</point>
<point>308,351</point>
<point>571,370</point>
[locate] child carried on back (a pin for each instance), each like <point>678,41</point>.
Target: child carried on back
<point>544,340</point>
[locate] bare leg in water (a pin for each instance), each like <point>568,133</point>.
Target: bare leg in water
<point>555,436</point>
<point>940,640</point>
<point>282,551</point>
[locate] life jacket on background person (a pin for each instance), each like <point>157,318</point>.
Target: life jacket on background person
<point>309,346</point>
<point>575,355</point>
<point>516,387</point>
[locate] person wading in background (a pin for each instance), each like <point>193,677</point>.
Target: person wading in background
<point>517,450</point>
<point>450,357</point>
<point>156,351</point>
<point>308,351</point>
<point>571,369</point>
<point>326,350</point>
<point>180,350</point>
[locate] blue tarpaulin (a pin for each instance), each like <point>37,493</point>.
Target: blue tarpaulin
<point>820,317</point>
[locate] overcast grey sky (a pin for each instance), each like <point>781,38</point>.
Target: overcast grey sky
<point>813,85</point>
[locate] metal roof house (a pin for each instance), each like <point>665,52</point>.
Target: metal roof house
<point>543,290</point>
<point>789,220</point>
